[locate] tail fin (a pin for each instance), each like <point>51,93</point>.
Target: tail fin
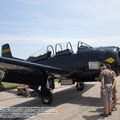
<point>6,51</point>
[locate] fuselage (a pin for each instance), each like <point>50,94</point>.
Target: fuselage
<point>79,62</point>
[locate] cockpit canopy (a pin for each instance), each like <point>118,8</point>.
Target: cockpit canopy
<point>59,51</point>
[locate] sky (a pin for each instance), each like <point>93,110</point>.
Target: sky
<point>31,25</point>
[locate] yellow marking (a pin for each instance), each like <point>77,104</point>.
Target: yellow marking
<point>110,60</point>
<point>6,51</point>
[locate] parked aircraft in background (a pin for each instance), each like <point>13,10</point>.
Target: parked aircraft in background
<point>40,71</point>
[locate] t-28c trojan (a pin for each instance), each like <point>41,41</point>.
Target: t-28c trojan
<point>39,72</point>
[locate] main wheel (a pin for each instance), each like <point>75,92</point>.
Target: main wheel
<point>46,95</point>
<point>47,99</point>
<point>80,86</point>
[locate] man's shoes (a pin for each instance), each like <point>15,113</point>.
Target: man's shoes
<point>110,113</point>
<point>104,115</point>
<point>114,108</point>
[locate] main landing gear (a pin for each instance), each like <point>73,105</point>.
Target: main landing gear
<point>46,89</point>
<point>45,94</point>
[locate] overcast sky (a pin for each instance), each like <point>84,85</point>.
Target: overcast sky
<point>29,25</point>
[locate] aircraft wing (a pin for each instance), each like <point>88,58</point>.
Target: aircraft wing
<point>24,72</point>
<point>17,64</point>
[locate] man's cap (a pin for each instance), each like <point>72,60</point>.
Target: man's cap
<point>108,66</point>
<point>102,65</point>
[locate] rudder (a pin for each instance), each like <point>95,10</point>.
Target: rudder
<point>6,51</point>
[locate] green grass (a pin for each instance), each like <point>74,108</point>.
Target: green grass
<point>8,85</point>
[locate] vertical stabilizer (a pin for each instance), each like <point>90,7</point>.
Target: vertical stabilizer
<point>6,51</point>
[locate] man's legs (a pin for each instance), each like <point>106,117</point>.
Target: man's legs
<point>114,101</point>
<point>110,100</point>
<point>106,108</point>
<point>110,107</point>
<point>105,114</point>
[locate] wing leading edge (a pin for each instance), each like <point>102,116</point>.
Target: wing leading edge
<point>21,64</point>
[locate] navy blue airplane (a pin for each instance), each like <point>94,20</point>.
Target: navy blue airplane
<point>40,71</point>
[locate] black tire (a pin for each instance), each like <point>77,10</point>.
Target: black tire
<point>47,99</point>
<point>80,86</point>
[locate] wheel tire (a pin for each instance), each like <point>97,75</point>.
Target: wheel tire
<point>47,99</point>
<point>80,86</point>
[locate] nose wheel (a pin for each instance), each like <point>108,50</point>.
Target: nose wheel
<point>80,86</point>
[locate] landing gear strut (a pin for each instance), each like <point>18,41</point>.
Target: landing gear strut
<point>80,86</point>
<point>46,88</point>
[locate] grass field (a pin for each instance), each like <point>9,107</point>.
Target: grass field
<point>8,85</point>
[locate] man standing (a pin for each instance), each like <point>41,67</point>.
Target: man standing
<point>106,77</point>
<point>113,87</point>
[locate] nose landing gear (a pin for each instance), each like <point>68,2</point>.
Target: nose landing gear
<point>80,86</point>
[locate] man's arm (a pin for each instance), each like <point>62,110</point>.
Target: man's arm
<point>101,77</point>
<point>113,80</point>
<point>102,84</point>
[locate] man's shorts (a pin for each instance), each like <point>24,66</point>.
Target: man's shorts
<point>108,97</point>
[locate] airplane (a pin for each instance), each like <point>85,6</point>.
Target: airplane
<point>39,72</point>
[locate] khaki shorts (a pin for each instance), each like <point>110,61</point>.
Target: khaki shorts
<point>108,97</point>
